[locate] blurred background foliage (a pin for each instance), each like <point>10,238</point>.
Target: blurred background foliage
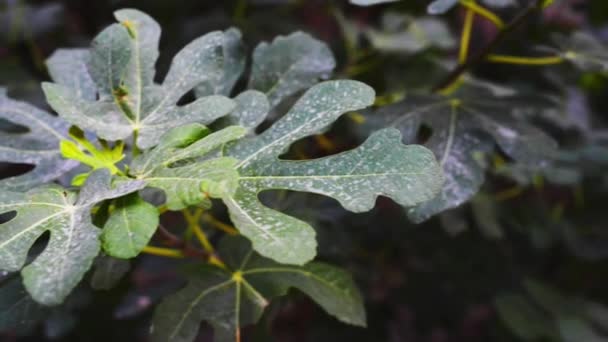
<point>525,259</point>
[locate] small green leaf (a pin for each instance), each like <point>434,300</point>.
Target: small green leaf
<point>233,298</point>
<point>74,241</point>
<point>289,64</point>
<point>130,226</point>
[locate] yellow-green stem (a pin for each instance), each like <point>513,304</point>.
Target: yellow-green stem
<point>165,252</point>
<point>472,6</point>
<point>465,38</point>
<point>525,60</point>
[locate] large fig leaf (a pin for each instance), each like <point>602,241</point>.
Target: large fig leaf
<point>464,127</point>
<point>39,146</point>
<point>289,64</point>
<point>121,64</point>
<point>381,166</point>
<point>169,166</point>
<point>74,240</point>
<point>235,297</point>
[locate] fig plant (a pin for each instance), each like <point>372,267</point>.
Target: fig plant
<point>125,151</point>
<point>133,152</point>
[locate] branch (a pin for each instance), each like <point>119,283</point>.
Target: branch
<point>480,56</point>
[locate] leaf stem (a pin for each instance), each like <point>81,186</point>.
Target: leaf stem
<point>525,60</point>
<point>135,150</point>
<point>193,219</point>
<point>165,252</point>
<point>455,74</point>
<point>465,37</point>
<point>471,5</point>
<point>215,223</point>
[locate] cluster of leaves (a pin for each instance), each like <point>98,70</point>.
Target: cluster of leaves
<point>109,90</point>
<point>132,149</point>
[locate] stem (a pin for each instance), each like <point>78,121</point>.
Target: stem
<point>509,193</point>
<point>165,252</point>
<point>135,150</point>
<point>525,60</point>
<point>215,223</point>
<point>193,218</point>
<point>474,7</point>
<point>462,68</point>
<point>465,37</point>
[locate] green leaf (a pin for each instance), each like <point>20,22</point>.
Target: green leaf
<point>583,50</point>
<point>110,55</point>
<point>122,65</point>
<point>236,297</point>
<point>408,174</point>
<point>18,312</point>
<point>251,109</point>
<point>289,64</point>
<point>465,127</point>
<point>402,34</point>
<point>108,272</point>
<point>129,227</point>
<point>139,73</point>
<point>233,64</point>
<point>522,318</point>
<point>68,67</point>
<point>74,240</point>
<point>441,6</point>
<point>39,146</point>
<point>169,166</point>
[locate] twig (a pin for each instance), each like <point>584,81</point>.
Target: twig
<point>480,56</point>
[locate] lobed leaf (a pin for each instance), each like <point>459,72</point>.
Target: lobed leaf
<point>39,146</point>
<point>408,174</point>
<point>465,126</point>
<point>121,64</point>
<point>236,297</point>
<point>289,64</point>
<point>73,242</point>
<point>232,66</point>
